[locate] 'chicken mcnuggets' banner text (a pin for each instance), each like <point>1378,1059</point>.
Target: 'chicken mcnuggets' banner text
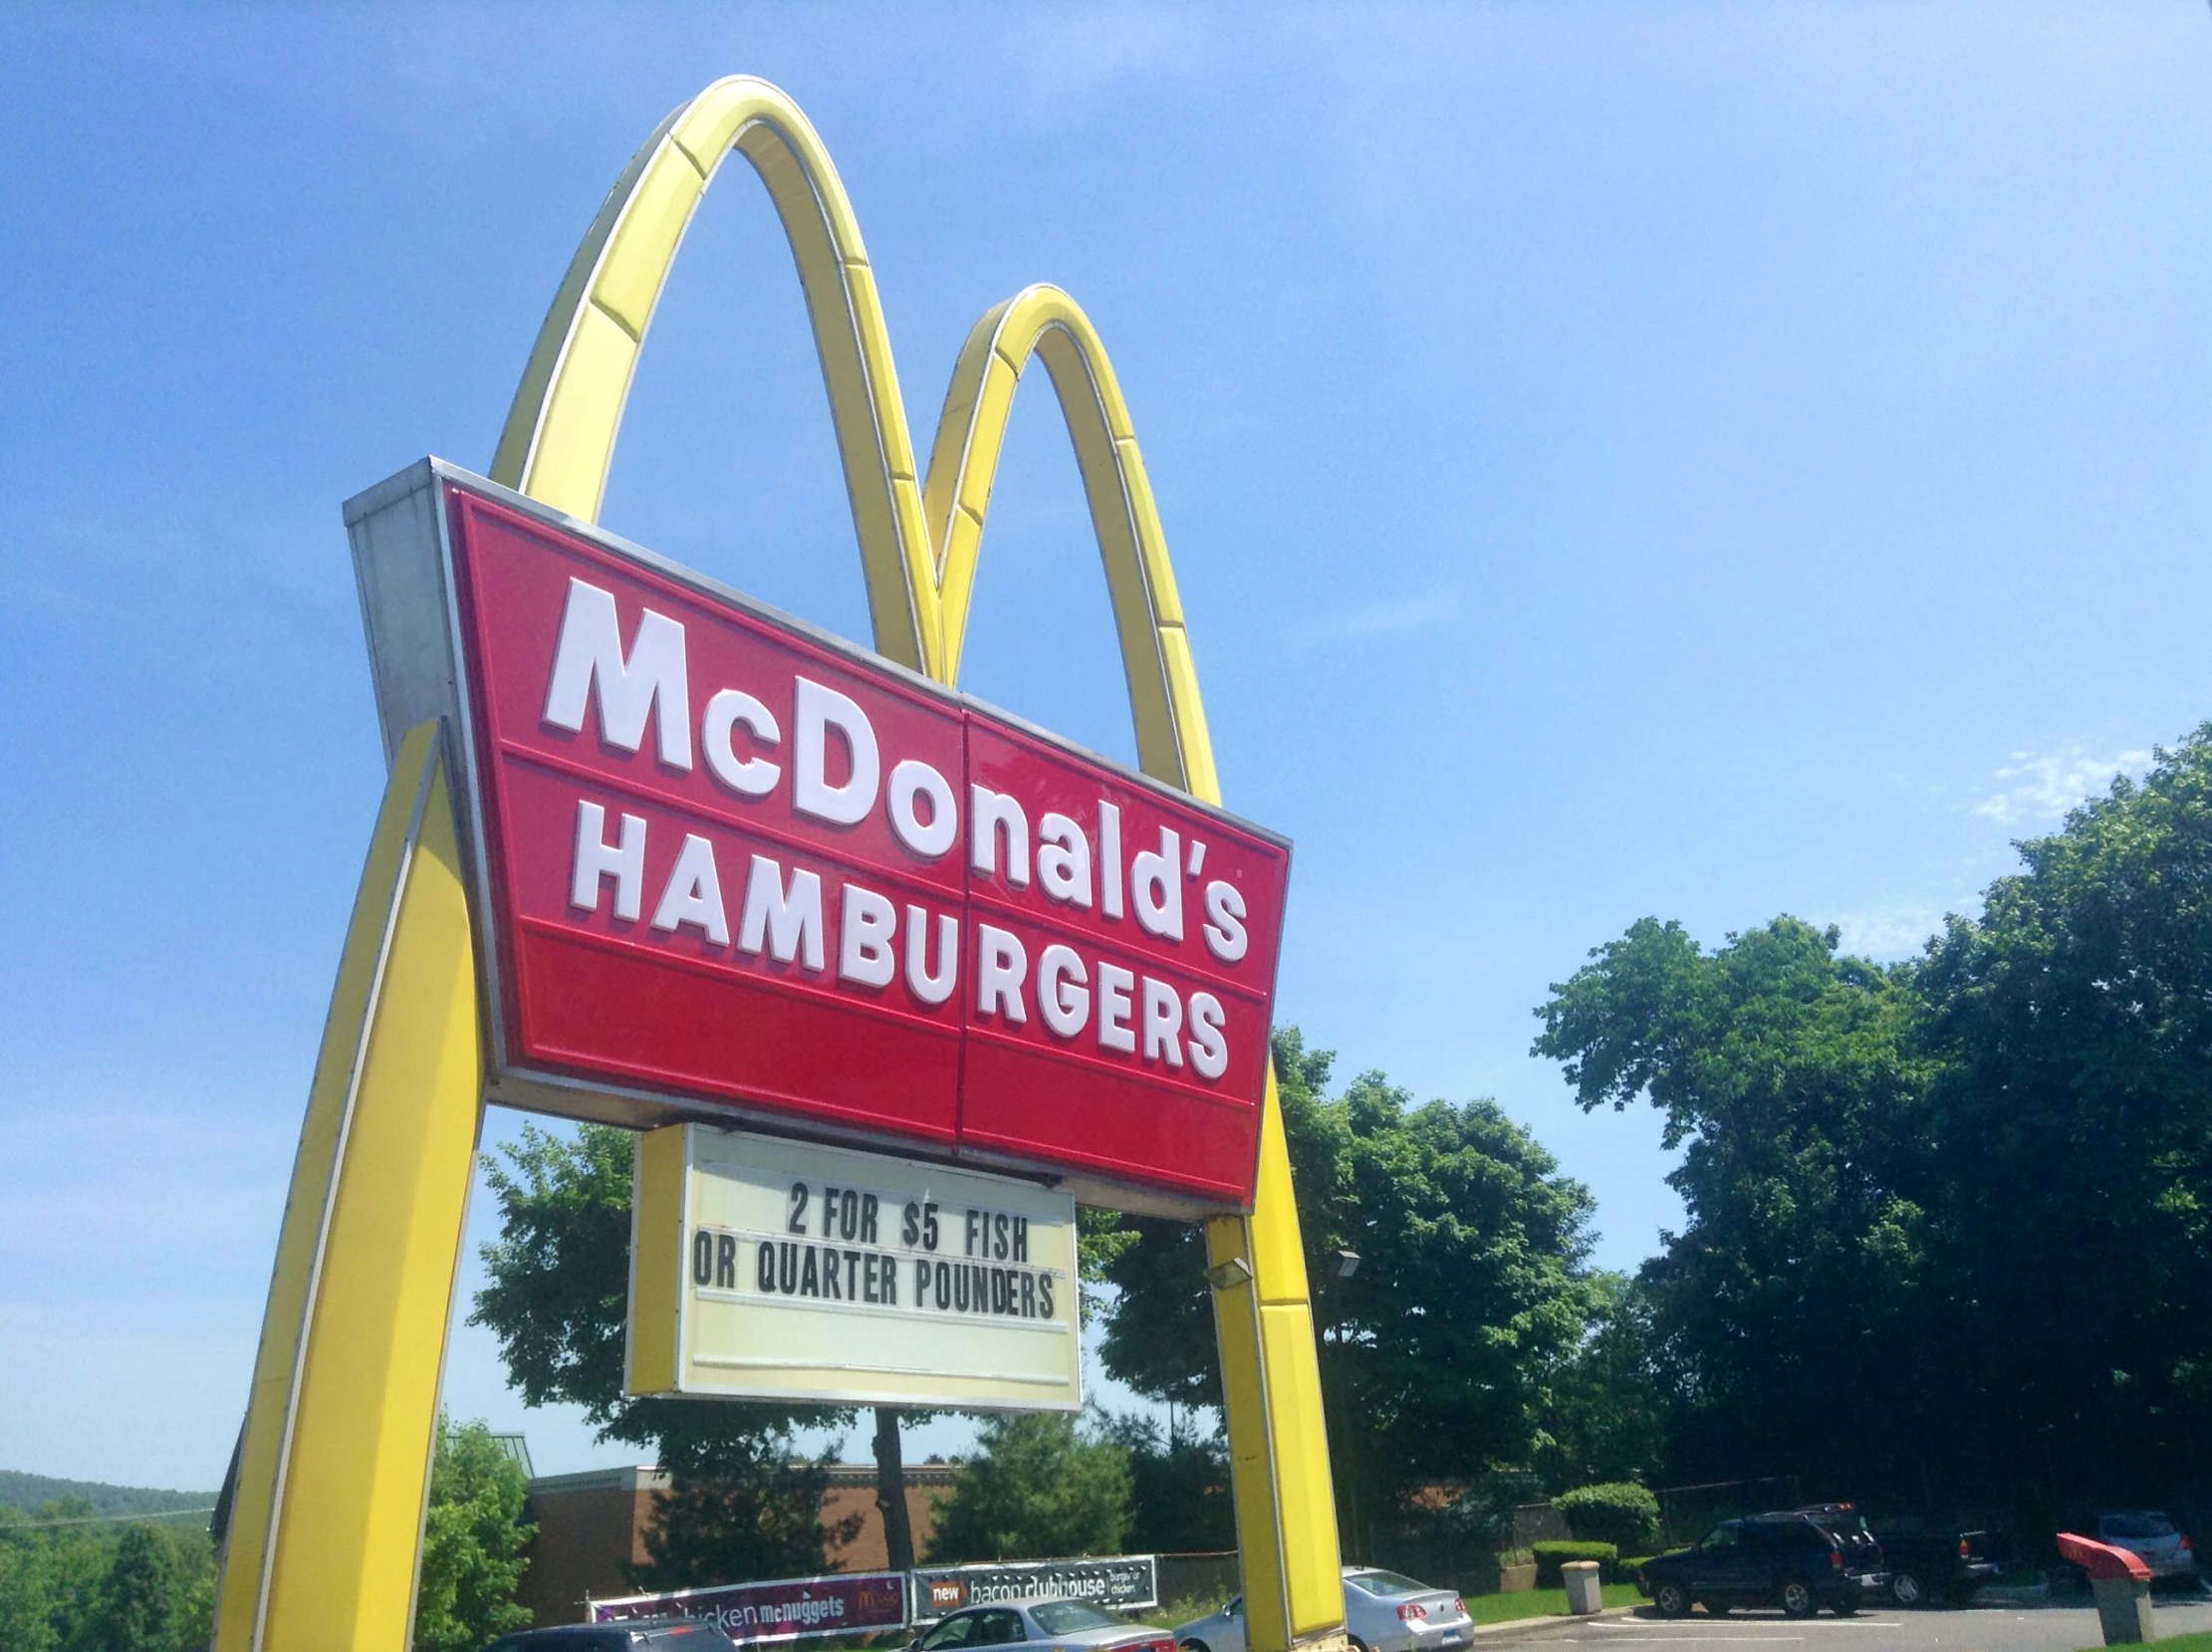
<point>726,857</point>
<point>793,1608</point>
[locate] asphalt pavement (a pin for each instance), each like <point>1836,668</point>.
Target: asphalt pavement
<point>2036,1628</point>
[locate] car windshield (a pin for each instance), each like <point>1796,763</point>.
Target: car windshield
<point>2137,1526</point>
<point>1387,1584</point>
<point>1068,1617</point>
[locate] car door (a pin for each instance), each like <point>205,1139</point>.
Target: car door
<point>1718,1565</point>
<point>953,1634</point>
<point>1234,1612</point>
<point>996,1626</point>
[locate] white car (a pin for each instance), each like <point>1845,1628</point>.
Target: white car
<point>1065,1624</point>
<point>2151,1537</point>
<point>1384,1611</point>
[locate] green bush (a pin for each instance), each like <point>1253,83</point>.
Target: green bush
<point>1621,1512</point>
<point>1552,1556</point>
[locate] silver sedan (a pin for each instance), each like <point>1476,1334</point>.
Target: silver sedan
<point>1384,1611</point>
<point>1042,1623</point>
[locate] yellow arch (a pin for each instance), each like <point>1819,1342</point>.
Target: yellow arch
<point>1171,739</point>
<point>918,550</point>
<point>559,433</point>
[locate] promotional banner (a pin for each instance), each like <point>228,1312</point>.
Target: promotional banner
<point>724,858</point>
<point>789,1609</point>
<point>1120,1582</point>
<point>770,1269</point>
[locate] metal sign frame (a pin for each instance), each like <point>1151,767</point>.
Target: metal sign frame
<point>420,663</point>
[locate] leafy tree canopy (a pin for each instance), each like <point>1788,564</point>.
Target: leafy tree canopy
<point>1435,1357</point>
<point>473,1543</point>
<point>1039,1487</point>
<point>1786,1075</point>
<point>1949,1227</point>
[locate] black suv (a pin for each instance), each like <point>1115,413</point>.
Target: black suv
<point>643,1635</point>
<point>1785,1560</point>
<point>1863,1551</point>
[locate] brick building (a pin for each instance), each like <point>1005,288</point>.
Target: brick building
<point>591,1523</point>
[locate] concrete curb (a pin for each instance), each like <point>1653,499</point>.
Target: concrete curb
<point>1534,1625</point>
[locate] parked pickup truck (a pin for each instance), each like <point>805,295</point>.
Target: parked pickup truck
<point>1932,1565</point>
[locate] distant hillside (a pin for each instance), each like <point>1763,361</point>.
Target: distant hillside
<point>35,1491</point>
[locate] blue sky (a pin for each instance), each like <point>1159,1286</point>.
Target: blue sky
<point>1704,461</point>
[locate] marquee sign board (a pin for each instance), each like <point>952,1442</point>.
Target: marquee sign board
<point>788,1609</point>
<point>726,865</point>
<point>763,1268</point>
<point>1117,1583</point>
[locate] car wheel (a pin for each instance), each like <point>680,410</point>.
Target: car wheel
<point>1670,1600</point>
<point>1798,1598</point>
<point>1905,1589</point>
<point>1195,1645</point>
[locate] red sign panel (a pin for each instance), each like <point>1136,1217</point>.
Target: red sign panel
<point>730,861</point>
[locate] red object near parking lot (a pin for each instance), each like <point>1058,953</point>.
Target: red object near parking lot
<point>2102,1561</point>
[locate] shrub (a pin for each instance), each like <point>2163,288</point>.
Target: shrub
<point>1550,1556</point>
<point>1622,1513</point>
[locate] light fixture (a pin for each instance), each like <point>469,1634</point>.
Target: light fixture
<point>1347,1263</point>
<point>1227,1276</point>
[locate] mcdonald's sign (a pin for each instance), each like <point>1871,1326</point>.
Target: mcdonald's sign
<point>724,863</point>
<point>648,850</point>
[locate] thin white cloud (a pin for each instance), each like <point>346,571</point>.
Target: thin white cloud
<point>2037,789</point>
<point>1887,934</point>
<point>1387,619</point>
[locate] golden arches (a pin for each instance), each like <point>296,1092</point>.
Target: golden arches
<point>1172,738</point>
<point>918,544</point>
<point>560,433</point>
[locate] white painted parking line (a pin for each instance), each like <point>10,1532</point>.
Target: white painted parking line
<point>1707,1626</point>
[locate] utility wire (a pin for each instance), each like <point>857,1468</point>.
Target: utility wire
<point>99,1520</point>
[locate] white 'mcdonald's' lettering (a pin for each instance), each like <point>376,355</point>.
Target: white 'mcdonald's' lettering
<point>839,776</point>
<point>818,710</point>
<point>596,858</point>
<point>651,680</point>
<point>787,921</point>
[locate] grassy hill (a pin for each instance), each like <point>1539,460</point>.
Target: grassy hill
<point>35,1491</point>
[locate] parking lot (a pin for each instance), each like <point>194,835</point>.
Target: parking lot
<point>2037,1628</point>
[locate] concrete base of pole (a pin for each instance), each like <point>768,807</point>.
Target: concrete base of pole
<point>1583,1598</point>
<point>2123,1609</point>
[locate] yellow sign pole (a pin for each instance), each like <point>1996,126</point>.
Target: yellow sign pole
<point>316,1507</point>
<point>335,1465</point>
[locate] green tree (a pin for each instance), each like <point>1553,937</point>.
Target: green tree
<point>73,1583</point>
<point>1787,1075</point>
<point>139,1601</point>
<point>1435,1357</point>
<point>740,1506</point>
<point>1610,1413</point>
<point>2073,1026</point>
<point>1038,1489</point>
<point>557,1297</point>
<point>474,1539</point>
<point>1950,1222</point>
<point>1179,1494</point>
